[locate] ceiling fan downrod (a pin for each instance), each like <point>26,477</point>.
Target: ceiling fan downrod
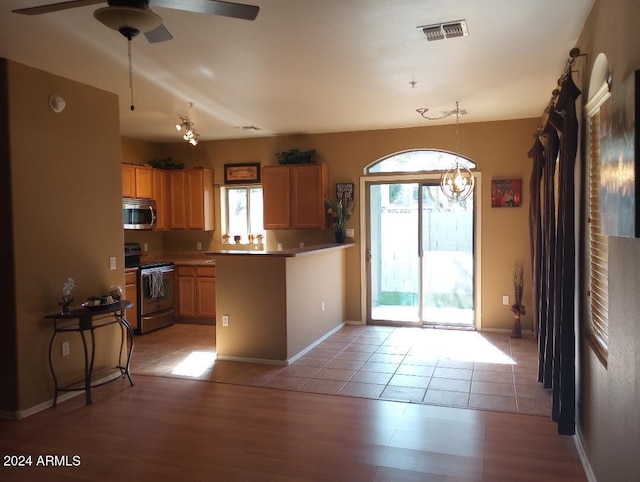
<point>129,33</point>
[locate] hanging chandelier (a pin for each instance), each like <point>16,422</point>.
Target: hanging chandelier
<point>457,182</point>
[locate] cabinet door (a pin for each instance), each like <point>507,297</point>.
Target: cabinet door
<point>308,189</point>
<point>177,193</point>
<point>144,182</point>
<point>206,297</point>
<point>159,183</point>
<point>131,294</point>
<point>195,199</point>
<point>276,193</point>
<point>186,296</point>
<point>128,181</point>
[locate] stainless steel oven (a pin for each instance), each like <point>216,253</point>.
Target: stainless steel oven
<point>157,296</point>
<point>156,290</point>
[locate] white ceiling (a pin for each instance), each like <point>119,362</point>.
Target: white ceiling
<point>310,66</point>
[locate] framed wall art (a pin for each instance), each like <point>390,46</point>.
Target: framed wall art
<point>247,173</point>
<point>619,169</point>
<point>344,191</point>
<point>506,193</point>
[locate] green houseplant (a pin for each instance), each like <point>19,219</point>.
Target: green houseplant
<point>296,156</point>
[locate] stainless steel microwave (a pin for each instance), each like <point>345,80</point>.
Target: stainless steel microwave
<point>138,213</point>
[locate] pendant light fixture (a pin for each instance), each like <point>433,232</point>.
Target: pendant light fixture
<point>457,182</point>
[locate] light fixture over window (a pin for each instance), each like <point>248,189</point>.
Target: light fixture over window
<point>457,182</point>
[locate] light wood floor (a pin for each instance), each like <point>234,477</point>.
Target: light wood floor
<point>172,428</point>
<point>169,429</point>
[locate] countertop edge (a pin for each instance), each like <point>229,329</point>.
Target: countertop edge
<point>286,253</point>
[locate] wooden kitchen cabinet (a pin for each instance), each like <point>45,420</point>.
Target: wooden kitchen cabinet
<point>137,181</point>
<point>191,205</point>
<point>197,293</point>
<point>160,188</point>
<point>293,196</point>
<point>131,294</point>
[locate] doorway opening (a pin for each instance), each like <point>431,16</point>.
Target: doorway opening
<point>420,249</point>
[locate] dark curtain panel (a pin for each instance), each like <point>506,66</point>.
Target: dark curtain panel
<point>547,258</point>
<point>565,120</point>
<point>535,226</point>
<point>553,254</point>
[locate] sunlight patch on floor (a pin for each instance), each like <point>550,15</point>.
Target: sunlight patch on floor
<point>461,346</point>
<point>195,364</point>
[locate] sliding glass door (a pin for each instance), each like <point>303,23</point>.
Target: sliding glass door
<point>420,255</point>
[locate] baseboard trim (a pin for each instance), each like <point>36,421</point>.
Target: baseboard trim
<point>588,470</point>
<point>288,361</point>
<point>62,397</point>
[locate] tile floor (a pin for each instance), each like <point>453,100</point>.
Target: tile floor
<point>487,371</point>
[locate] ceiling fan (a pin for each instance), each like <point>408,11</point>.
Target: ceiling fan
<point>130,17</point>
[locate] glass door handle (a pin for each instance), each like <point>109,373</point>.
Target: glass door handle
<point>368,255</point>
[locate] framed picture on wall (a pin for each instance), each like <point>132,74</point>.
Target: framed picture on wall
<point>344,191</point>
<point>506,193</point>
<point>620,165</point>
<point>248,173</point>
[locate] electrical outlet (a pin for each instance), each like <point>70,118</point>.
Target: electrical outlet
<point>322,306</point>
<point>146,246</point>
<point>112,263</point>
<point>65,348</point>
<point>505,300</point>
<point>350,232</point>
<point>198,245</point>
<point>225,320</point>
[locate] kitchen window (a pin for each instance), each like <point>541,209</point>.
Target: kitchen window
<point>242,212</point>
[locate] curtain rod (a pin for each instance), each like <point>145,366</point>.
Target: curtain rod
<point>574,53</point>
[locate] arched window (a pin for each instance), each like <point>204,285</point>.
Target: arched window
<point>423,160</point>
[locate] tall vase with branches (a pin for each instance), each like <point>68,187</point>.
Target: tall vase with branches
<point>517,308</point>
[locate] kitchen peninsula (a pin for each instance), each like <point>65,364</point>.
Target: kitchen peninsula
<point>274,306</point>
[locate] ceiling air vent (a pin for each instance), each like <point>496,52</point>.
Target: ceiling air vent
<point>445,30</point>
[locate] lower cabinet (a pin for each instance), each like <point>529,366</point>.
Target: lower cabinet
<point>131,294</point>
<point>196,294</point>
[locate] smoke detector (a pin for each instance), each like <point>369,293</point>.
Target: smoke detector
<point>445,30</point>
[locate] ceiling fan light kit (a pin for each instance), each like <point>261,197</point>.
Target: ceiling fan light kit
<point>117,18</point>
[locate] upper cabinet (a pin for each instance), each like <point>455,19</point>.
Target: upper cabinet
<point>191,204</point>
<point>137,181</point>
<point>184,197</point>
<point>294,196</point>
<point>160,189</point>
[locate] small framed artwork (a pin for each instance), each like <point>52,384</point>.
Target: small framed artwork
<point>247,173</point>
<point>506,193</point>
<point>344,191</point>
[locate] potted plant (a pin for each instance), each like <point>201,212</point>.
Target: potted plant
<point>517,308</point>
<point>339,213</point>
<point>296,156</point>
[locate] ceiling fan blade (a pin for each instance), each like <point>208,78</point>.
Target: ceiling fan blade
<point>211,7</point>
<point>54,7</point>
<point>158,34</point>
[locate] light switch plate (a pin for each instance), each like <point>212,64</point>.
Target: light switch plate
<point>350,232</point>
<point>112,263</point>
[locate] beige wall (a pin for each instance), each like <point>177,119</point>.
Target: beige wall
<point>608,415</point>
<point>67,215</point>
<point>499,149</point>
<point>274,303</point>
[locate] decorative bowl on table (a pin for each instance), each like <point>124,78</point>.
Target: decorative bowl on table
<point>98,303</point>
